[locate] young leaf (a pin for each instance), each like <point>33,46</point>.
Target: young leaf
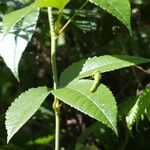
<point>22,109</point>
<point>141,108</point>
<point>85,68</point>
<point>100,105</point>
<point>118,8</point>
<point>13,44</point>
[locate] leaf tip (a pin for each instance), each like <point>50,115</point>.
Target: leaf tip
<point>8,139</point>
<point>17,77</point>
<point>130,30</point>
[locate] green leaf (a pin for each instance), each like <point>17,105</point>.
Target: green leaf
<point>52,3</point>
<point>141,108</point>
<point>22,109</point>
<point>11,19</point>
<point>106,63</point>
<point>14,43</point>
<point>100,105</point>
<point>118,8</point>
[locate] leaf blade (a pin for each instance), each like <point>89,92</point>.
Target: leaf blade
<point>100,105</point>
<point>22,109</point>
<point>106,63</point>
<point>140,108</point>
<point>14,43</point>
<point>118,8</point>
<point>51,3</point>
<point>13,18</point>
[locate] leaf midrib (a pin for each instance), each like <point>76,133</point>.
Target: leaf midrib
<point>25,114</point>
<point>79,76</point>
<point>108,119</point>
<point>112,13</point>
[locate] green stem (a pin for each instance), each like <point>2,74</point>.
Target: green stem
<point>69,21</point>
<point>53,48</point>
<point>58,22</point>
<point>56,105</point>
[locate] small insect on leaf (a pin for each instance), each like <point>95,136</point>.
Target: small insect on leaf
<point>97,77</point>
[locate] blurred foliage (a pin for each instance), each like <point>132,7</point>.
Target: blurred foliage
<point>92,32</point>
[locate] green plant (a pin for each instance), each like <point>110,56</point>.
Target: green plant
<point>74,85</point>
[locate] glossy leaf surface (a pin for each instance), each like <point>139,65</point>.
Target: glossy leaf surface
<point>118,8</point>
<point>106,63</point>
<point>14,43</point>
<point>22,109</point>
<point>140,109</point>
<point>100,105</point>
